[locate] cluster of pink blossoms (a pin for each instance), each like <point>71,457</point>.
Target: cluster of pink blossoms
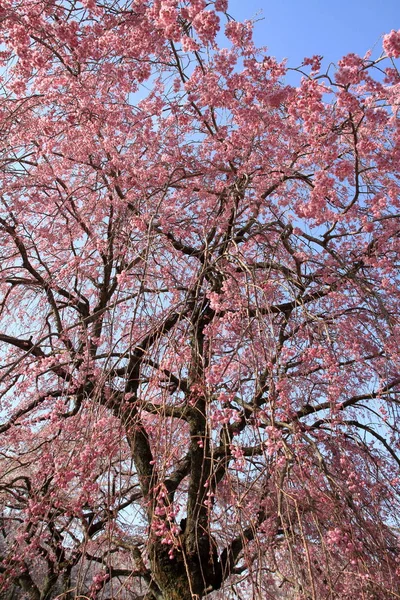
<point>391,44</point>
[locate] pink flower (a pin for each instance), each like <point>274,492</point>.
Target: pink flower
<point>168,15</point>
<point>189,44</point>
<point>391,44</point>
<point>206,24</point>
<point>240,34</point>
<point>221,5</point>
<point>314,62</point>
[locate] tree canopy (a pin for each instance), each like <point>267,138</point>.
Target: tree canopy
<point>199,309</point>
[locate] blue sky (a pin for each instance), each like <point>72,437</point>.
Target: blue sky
<point>294,29</point>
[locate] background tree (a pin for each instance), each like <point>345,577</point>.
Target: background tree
<point>199,310</point>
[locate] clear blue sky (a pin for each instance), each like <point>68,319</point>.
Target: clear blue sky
<point>294,29</point>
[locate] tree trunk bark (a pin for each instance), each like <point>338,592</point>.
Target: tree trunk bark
<point>186,577</point>
<point>176,578</point>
